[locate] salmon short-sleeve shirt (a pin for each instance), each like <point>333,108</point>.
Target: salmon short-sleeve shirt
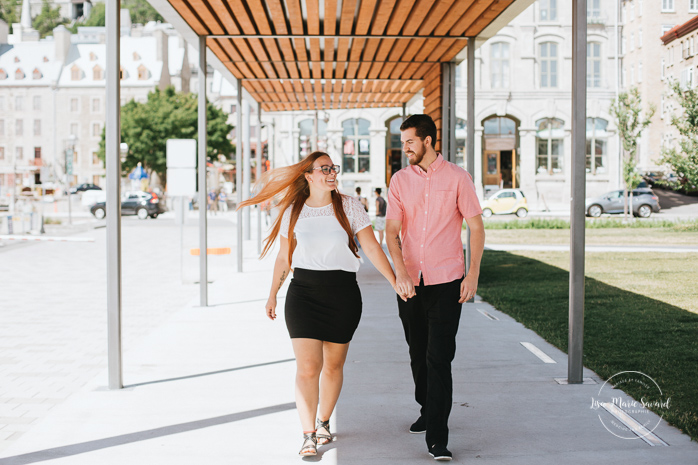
<point>431,206</point>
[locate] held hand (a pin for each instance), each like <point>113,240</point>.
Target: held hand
<point>404,285</point>
<point>397,291</point>
<point>468,287</point>
<point>271,308</point>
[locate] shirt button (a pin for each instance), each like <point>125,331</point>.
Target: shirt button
<point>422,245</point>
<point>421,262</point>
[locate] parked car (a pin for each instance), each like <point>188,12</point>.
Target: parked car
<point>85,187</point>
<point>141,204</point>
<point>645,202</point>
<point>504,202</point>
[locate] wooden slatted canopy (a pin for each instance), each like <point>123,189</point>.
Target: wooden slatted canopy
<point>332,54</point>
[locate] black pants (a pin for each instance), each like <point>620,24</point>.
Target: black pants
<point>430,320</point>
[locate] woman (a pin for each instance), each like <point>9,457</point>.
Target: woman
<point>317,225</point>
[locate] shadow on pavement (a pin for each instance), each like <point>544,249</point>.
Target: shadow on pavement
<point>670,199</point>
<point>91,446</point>
<point>199,375</point>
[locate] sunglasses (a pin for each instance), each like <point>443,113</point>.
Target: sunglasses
<point>326,169</point>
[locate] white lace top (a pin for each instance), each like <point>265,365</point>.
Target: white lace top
<point>321,242</point>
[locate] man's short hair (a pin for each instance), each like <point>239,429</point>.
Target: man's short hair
<point>424,126</point>
<point>358,190</point>
<point>378,190</point>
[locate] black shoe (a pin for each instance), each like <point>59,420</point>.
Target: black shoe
<point>440,453</point>
<point>419,426</point>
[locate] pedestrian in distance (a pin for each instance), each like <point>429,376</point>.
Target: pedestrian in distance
<point>223,201</point>
<point>316,225</point>
<point>212,201</point>
<point>361,198</point>
<point>381,210</point>
<point>427,203</point>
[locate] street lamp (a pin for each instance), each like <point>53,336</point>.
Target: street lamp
<point>69,153</point>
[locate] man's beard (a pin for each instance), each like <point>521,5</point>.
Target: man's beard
<point>418,156</point>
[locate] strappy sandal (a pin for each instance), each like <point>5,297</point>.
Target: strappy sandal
<point>323,438</point>
<point>309,447</point>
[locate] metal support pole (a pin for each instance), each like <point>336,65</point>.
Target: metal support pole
<point>315,133</point>
<point>203,188</point>
<point>246,162</point>
<point>448,111</point>
<point>470,137</point>
<point>259,175</point>
<point>579,93</point>
<point>238,170</point>
<point>405,162</point>
<point>113,168</point>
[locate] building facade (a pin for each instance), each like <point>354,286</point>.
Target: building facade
<point>52,98</point>
<point>680,56</point>
<point>645,64</point>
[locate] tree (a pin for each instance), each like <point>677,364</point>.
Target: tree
<point>141,11</point>
<point>97,16</point>
<point>684,162</point>
<point>9,11</point>
<point>48,19</point>
<point>167,114</point>
<point>627,109</point>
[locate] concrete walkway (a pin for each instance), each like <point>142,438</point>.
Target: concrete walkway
<point>215,386</point>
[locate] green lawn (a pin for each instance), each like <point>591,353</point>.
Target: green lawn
<point>635,318</point>
<point>630,236</point>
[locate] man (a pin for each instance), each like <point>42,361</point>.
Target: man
<point>427,203</point>
<point>381,209</point>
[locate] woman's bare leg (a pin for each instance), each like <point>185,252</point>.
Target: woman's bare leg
<point>309,359</point>
<point>334,356</point>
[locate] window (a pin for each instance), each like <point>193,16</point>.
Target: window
<point>639,71</point>
<point>74,129</point>
<point>686,80</point>
<point>2,153</point>
<point>593,64</point>
<point>549,140</point>
<point>623,47</point>
<point>623,77</point>
<point>639,37</point>
<point>95,158</point>
<point>663,70</point>
<point>37,127</point>
<point>667,6</point>
<point>632,41</point>
<point>639,7</point>
<point>3,74</point>
<point>73,104</point>
<point>143,73</point>
<point>96,105</point>
<point>499,65</point>
<point>37,153</point>
<point>19,74</point>
<point>19,127</point>
<point>666,28</point>
<point>356,145</point>
<point>93,57</point>
<point>548,10</point>
<point>593,9</point>
<point>75,73</point>
<point>2,103</point>
<point>19,153</point>
<point>596,145</point>
<point>548,64</point>
<point>36,102</point>
<point>96,129</point>
<point>306,136</point>
<point>693,6</point>
<point>97,74</point>
<point>19,103</point>
<point>632,75</point>
<point>36,74</point>
<point>2,127</point>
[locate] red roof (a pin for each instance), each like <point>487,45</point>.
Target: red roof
<point>680,30</point>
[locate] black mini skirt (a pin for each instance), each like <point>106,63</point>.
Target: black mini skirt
<point>323,305</point>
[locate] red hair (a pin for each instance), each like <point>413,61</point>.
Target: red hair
<point>289,187</point>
